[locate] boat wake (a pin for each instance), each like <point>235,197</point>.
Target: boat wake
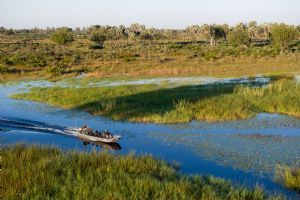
<point>27,125</point>
<point>9,124</point>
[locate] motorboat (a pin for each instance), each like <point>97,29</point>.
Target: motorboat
<point>87,133</point>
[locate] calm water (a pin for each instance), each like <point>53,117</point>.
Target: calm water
<point>244,152</point>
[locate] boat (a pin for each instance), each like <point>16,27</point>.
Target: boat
<point>89,134</point>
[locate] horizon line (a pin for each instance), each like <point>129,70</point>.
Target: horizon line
<point>147,26</point>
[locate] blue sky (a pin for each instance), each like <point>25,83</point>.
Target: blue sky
<point>152,13</point>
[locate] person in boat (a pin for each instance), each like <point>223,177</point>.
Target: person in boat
<point>107,134</point>
<point>88,131</point>
<point>97,134</point>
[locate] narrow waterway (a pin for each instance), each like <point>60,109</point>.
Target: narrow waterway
<point>244,151</point>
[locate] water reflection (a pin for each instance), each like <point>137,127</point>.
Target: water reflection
<point>108,146</point>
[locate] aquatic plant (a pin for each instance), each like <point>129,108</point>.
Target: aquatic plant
<point>162,104</point>
<point>255,153</point>
<point>288,176</point>
<point>32,172</point>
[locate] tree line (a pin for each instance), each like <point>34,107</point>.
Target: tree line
<point>243,34</point>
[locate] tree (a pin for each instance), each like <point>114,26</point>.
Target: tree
<point>135,30</point>
<point>261,31</point>
<point>283,36</point>
<point>238,37</point>
<point>225,28</point>
<point>62,36</point>
<point>194,29</point>
<point>241,26</point>
<point>121,31</point>
<point>10,32</point>
<point>213,33</point>
<point>252,24</point>
<point>150,34</point>
<point>99,38</point>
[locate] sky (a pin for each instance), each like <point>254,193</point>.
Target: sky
<point>152,13</point>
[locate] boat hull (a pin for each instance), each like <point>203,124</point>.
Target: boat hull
<point>114,139</point>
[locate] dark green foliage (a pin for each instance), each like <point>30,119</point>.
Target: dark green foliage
<point>238,37</point>
<point>62,36</point>
<point>99,39</point>
<point>27,59</point>
<point>214,33</point>
<point>54,71</point>
<point>31,172</point>
<point>146,36</point>
<point>5,69</point>
<point>10,32</point>
<point>283,35</point>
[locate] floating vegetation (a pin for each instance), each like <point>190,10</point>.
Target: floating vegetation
<point>255,153</point>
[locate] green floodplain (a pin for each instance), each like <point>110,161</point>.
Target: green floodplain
<point>113,53</point>
<point>165,103</point>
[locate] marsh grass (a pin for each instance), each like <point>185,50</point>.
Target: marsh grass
<point>159,104</point>
<point>288,176</point>
<point>32,172</point>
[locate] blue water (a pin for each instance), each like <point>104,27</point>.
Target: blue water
<point>173,143</point>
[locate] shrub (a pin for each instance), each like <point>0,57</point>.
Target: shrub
<point>99,40</point>
<point>62,36</point>
<point>36,61</point>
<point>4,68</point>
<point>238,38</point>
<point>54,71</point>
<point>283,35</point>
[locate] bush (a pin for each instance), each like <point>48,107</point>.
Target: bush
<point>238,38</point>
<point>36,61</point>
<point>99,40</point>
<point>4,68</point>
<point>146,36</point>
<point>28,59</point>
<point>283,35</point>
<point>54,71</point>
<point>62,36</point>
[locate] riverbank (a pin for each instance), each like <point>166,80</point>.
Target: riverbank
<point>32,172</point>
<point>226,67</point>
<point>37,58</point>
<point>162,104</point>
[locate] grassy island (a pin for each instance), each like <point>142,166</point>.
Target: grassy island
<point>161,104</point>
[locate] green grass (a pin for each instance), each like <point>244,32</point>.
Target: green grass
<point>180,56</point>
<point>158,104</point>
<point>32,172</point>
<point>288,176</point>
